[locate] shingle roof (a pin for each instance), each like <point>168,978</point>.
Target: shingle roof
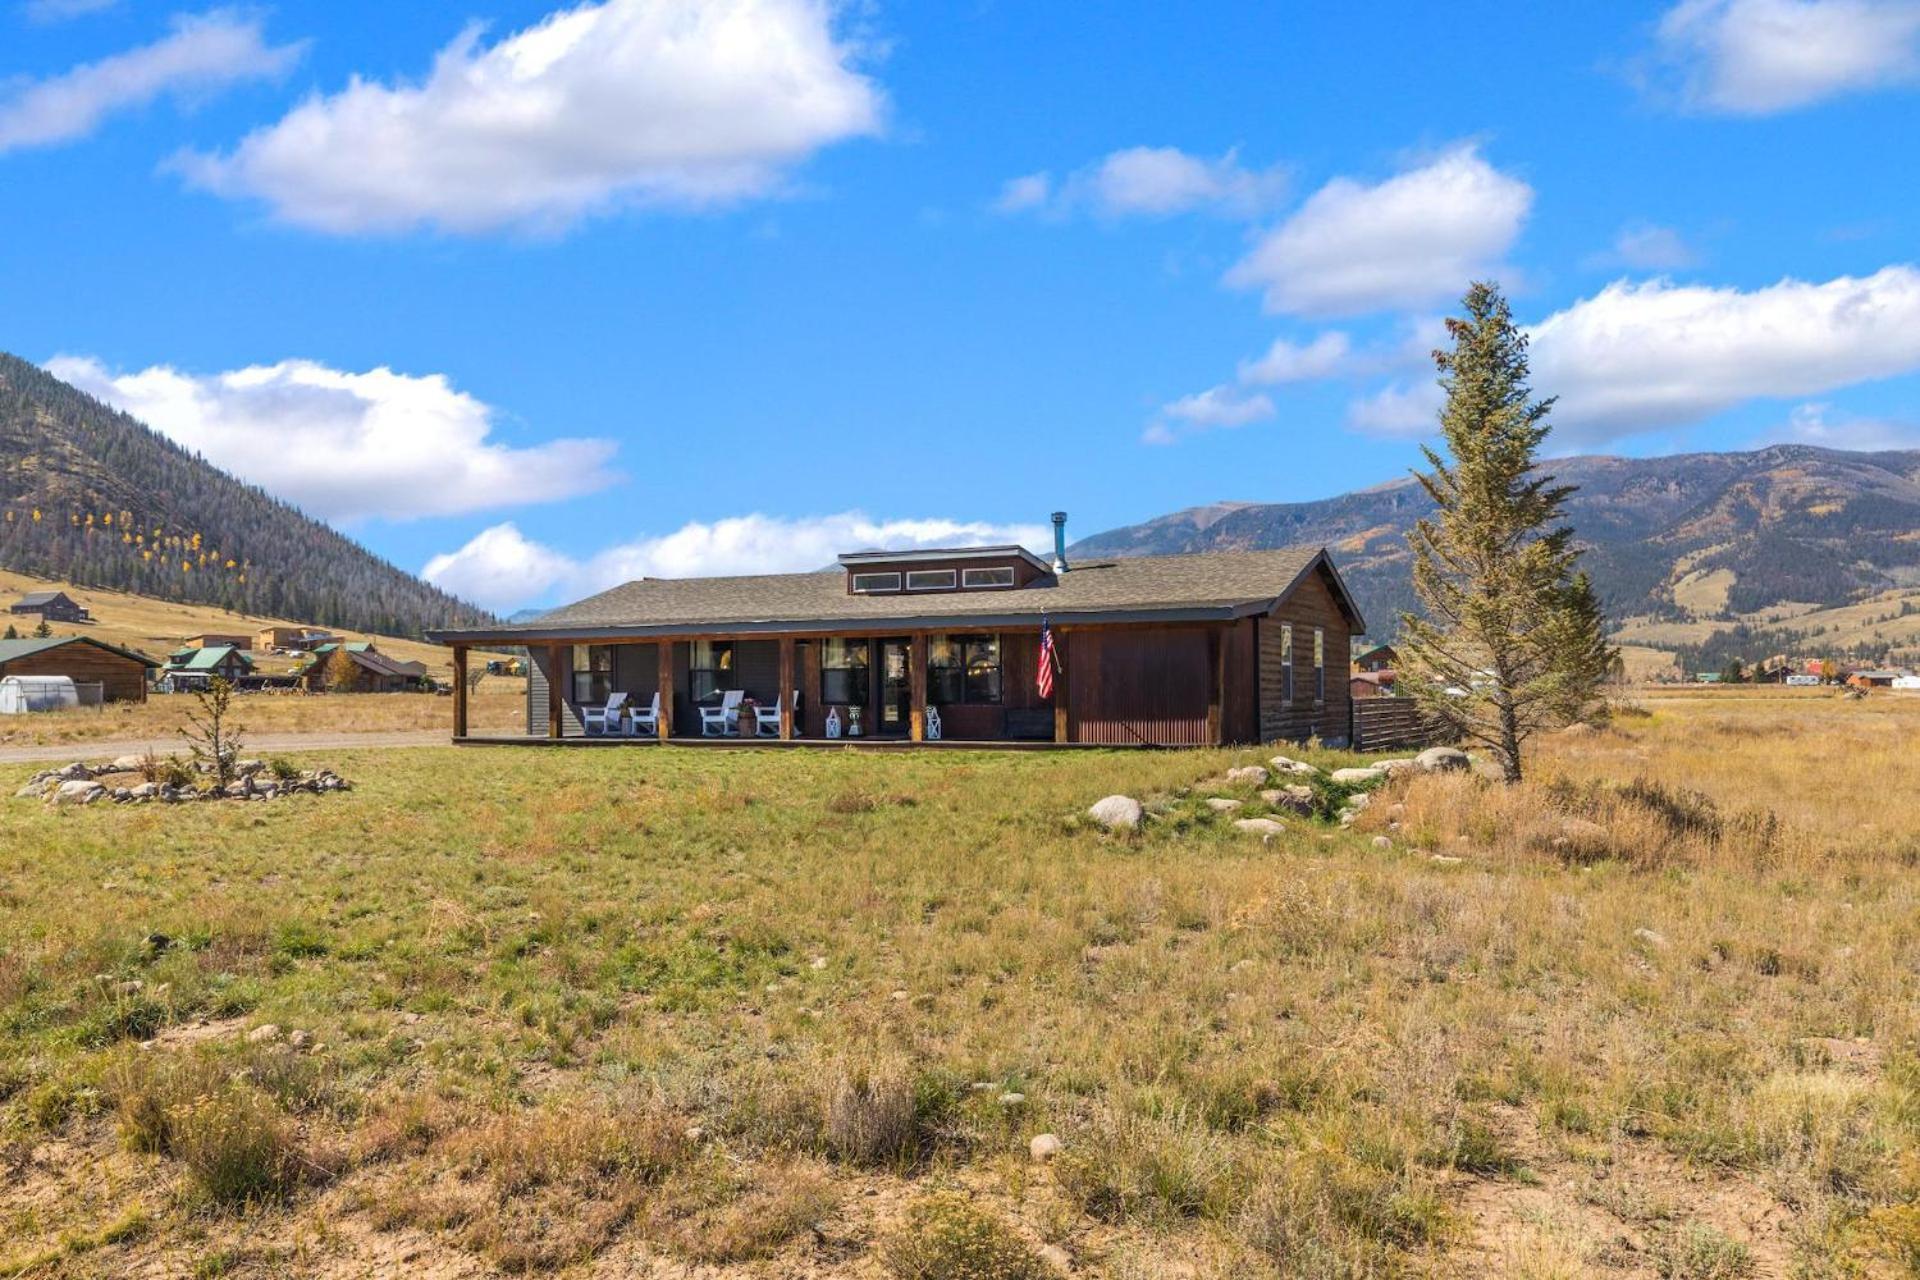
<point>12,650</point>
<point>1212,585</point>
<point>41,597</point>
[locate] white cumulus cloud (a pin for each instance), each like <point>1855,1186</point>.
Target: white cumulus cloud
<point>1758,57</point>
<point>503,569</point>
<point>1416,238</point>
<point>677,103</point>
<point>1149,182</point>
<point>347,446</point>
<point>1636,357</point>
<point>200,56</point>
<point>1222,406</point>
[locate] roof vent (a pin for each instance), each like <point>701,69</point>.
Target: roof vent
<point>1059,542</point>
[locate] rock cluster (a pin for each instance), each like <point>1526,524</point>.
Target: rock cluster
<point>121,781</point>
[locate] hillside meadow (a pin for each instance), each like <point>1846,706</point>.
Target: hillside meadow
<point>677,1012</point>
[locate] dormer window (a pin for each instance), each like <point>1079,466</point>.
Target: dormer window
<point>929,570</point>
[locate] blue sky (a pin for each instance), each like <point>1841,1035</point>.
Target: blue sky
<point>537,298</point>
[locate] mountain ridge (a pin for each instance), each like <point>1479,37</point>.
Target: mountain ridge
<point>1697,538</point>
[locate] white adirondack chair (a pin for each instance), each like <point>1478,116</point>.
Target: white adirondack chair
<point>596,719</point>
<point>647,722</point>
<point>717,722</point>
<point>766,720</point>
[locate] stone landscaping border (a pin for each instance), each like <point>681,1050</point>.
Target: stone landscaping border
<point>81,783</point>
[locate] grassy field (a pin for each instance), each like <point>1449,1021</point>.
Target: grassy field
<point>500,704</point>
<point>672,1012</point>
<point>156,627</point>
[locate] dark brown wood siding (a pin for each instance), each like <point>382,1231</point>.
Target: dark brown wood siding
<point>1311,605</point>
<point>121,679</point>
<point>1131,686</point>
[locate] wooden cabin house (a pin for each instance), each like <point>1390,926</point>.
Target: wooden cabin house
<point>910,646</point>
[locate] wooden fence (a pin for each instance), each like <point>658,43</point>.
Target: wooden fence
<point>1386,724</point>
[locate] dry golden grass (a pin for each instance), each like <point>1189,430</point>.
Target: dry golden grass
<point>156,627</point>
<point>499,706</point>
<point>671,1012</point>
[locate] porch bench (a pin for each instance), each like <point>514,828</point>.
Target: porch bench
<point>1029,726</point>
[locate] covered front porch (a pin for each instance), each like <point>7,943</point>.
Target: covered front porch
<point>895,688</point>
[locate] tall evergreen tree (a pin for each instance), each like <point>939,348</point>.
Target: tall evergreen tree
<point>1509,637</point>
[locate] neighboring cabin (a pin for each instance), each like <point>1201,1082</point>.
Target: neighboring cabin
<point>189,668</point>
<point>52,606</point>
<point>214,640</point>
<point>373,671</point>
<point>1376,657</point>
<point>120,673</point>
<point>1372,684</point>
<point>272,638</point>
<point>1153,650</point>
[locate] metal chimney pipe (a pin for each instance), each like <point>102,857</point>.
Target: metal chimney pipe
<point>1059,542</point>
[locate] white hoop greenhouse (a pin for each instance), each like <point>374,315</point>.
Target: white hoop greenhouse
<point>21,694</point>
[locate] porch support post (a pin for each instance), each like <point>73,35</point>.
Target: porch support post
<point>786,688</point>
<point>917,686</point>
<point>664,651</point>
<point>555,721</point>
<point>1060,685</point>
<point>1216,682</point>
<point>459,691</point>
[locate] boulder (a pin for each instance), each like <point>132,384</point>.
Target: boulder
<point>1221,804</point>
<point>145,791</point>
<point>1043,1146</point>
<point>1283,764</point>
<point>239,787</point>
<point>1115,813</point>
<point>247,768</point>
<point>1441,760</point>
<point>1358,776</point>
<point>1295,796</point>
<point>72,772</point>
<point>265,1033</point>
<point>1265,828</point>
<point>1395,766</point>
<point>1250,774</point>
<point>1382,842</point>
<point>128,764</point>
<point>1359,802</point>
<point>77,791</point>
<point>1652,937</point>
<point>32,789</point>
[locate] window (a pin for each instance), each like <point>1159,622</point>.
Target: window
<point>592,673</point>
<point>843,672</point>
<point>865,583</point>
<point>963,669</point>
<point>709,669</point>
<point>1319,665</point>
<point>930,580</point>
<point>1000,576</point>
<point>1286,663</point>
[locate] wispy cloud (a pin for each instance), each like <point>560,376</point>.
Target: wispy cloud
<point>201,56</point>
<point>1149,182</point>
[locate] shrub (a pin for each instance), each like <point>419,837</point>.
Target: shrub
<point>1127,1166</point>
<point>1699,1252</point>
<point>283,769</point>
<point>238,1147</point>
<point>948,1238</point>
<point>870,1115</point>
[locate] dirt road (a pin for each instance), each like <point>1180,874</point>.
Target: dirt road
<point>260,745</point>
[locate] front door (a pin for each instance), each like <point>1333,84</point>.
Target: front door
<point>896,686</point>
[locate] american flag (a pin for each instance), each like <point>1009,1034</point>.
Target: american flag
<point>1048,660</point>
